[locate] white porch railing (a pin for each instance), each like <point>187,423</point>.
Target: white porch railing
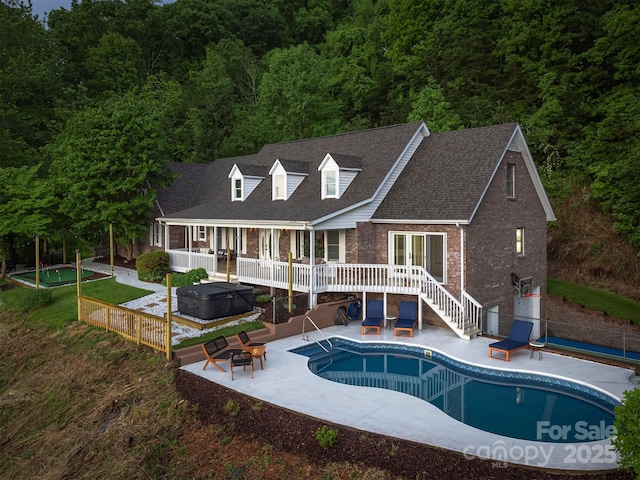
<point>183,261</point>
<point>353,277</point>
<point>273,273</point>
<point>463,316</point>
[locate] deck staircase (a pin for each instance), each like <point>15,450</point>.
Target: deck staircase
<point>462,317</point>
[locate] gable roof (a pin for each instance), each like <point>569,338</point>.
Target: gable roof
<point>452,171</point>
<point>257,171</point>
<point>378,150</point>
<point>444,181</point>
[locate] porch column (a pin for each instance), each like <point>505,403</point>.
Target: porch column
<point>167,246</point>
<point>238,240</point>
<point>461,260</point>
<point>215,245</point>
<point>272,251</point>
<point>313,299</point>
<point>190,242</point>
<point>419,313</point>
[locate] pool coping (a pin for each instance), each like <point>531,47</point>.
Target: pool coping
<point>286,381</point>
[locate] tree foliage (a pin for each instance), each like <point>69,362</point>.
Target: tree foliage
<point>627,438</point>
<point>108,162</point>
<point>195,80</point>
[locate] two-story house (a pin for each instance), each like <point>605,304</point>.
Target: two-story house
<point>456,220</point>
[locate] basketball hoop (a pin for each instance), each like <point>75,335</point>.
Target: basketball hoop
<point>528,295</point>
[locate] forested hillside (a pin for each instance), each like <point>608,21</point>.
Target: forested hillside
<point>94,100</point>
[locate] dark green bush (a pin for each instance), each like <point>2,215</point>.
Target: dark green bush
<point>189,278</point>
<point>263,298</point>
<point>36,299</point>
<point>152,266</point>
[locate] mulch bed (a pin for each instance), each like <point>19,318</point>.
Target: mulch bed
<point>295,433</point>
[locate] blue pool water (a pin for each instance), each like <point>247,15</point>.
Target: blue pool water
<point>513,404</point>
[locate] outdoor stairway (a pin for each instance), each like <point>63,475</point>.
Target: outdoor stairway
<point>450,310</point>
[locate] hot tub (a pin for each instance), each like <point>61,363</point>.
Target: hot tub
<point>215,300</point>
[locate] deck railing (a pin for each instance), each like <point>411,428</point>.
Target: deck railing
<point>140,327</point>
<point>183,261</point>
<point>346,277</point>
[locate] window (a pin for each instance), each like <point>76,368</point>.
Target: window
<point>201,233</point>
<point>279,187</point>
<point>156,235</point>
<point>333,245</point>
<point>237,189</point>
<point>511,180</point>
<point>300,243</point>
<point>520,241</point>
<point>330,184</point>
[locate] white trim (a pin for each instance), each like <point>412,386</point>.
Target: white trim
<point>341,246</point>
<point>517,138</point>
<point>408,234</point>
<point>420,222</point>
<point>392,174</point>
<point>236,223</point>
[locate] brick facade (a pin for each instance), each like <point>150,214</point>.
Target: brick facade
<point>490,255</point>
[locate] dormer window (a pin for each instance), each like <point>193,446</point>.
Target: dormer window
<point>338,171</point>
<point>244,179</point>
<point>330,184</point>
<point>286,175</point>
<point>279,191</point>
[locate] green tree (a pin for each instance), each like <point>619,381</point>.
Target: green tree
<point>108,163</point>
<point>361,75</point>
<point>295,96</point>
<point>27,207</point>
<point>115,65</point>
<point>29,86</point>
<point>431,106</point>
<point>627,438</point>
<point>211,117</point>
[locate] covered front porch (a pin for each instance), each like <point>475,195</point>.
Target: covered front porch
<point>463,316</point>
<point>280,256</point>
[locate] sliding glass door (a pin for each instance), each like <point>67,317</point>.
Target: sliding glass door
<point>419,250</point>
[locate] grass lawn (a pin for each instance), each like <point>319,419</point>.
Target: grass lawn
<point>64,307</point>
<point>596,299</point>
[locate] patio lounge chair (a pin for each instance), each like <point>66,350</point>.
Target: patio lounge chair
<point>246,343</point>
<point>518,338</point>
<point>407,318</point>
<point>242,359</point>
<point>218,351</point>
<point>374,318</point>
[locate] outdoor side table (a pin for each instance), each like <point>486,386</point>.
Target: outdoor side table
<point>389,321</point>
<point>537,347</point>
<point>257,352</point>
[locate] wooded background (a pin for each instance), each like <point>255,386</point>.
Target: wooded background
<point>96,99</point>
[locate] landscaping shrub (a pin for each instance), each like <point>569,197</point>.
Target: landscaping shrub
<point>326,436</point>
<point>627,437</point>
<point>36,299</point>
<point>189,278</point>
<point>152,266</point>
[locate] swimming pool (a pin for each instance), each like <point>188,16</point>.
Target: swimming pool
<point>513,404</point>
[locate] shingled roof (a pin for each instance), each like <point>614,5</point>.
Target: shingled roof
<point>444,180</point>
<point>378,150</point>
<point>447,175</point>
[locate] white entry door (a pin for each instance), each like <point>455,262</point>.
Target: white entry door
<point>269,248</point>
